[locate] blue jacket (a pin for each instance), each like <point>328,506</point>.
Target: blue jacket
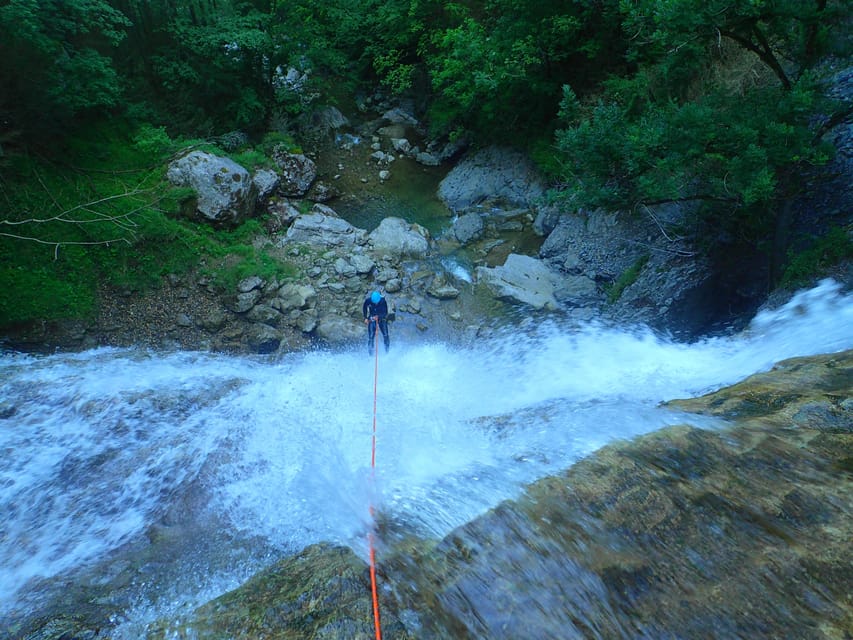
<point>369,310</point>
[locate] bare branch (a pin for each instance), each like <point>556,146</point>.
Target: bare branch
<point>658,224</point>
<point>100,217</point>
<point>62,242</point>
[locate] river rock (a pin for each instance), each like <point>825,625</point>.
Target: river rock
<point>263,338</point>
<point>398,238</point>
<point>337,329</point>
<point>439,288</point>
<point>521,278</point>
<point>296,171</point>
<point>468,227</point>
<point>294,296</point>
<point>226,193</point>
<point>248,284</point>
<point>323,592</point>
<point>362,263</point>
<point>265,314</point>
<point>324,228</point>
<point>242,302</point>
<point>494,173</point>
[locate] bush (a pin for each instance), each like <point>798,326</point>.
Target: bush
<point>826,252</point>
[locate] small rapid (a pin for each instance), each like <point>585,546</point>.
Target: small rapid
<point>100,447</point>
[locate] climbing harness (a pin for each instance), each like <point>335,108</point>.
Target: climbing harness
<point>376,624</point>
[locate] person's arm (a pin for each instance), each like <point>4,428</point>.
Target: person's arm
<point>364,308</point>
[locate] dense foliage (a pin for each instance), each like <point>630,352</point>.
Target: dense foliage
<point>627,103</point>
<point>114,222</point>
<point>718,110</point>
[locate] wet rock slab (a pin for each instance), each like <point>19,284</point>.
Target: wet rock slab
<point>323,592</point>
<point>685,533</point>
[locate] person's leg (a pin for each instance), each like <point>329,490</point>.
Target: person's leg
<point>383,326</point>
<point>371,334</point>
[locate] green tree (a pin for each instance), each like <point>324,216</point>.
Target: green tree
<point>55,62</point>
<point>718,110</point>
<point>500,65</point>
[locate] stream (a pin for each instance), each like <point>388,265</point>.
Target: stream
<point>173,477</point>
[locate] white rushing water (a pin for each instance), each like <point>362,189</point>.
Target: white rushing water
<point>96,445</point>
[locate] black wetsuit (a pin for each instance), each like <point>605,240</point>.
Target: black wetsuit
<point>378,310</point>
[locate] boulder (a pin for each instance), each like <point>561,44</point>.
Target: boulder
<point>296,171</point>
<point>324,120</point>
<point>242,302</point>
<point>213,321</point>
<point>401,145</point>
<point>493,173</point>
<point>248,284</point>
<point>344,268</point>
<point>225,191</point>
<point>282,213</point>
<point>264,314</point>
<point>294,296</point>
<point>397,115</point>
<point>468,228</point>
<point>266,182</point>
<point>262,338</point>
<point>577,291</point>
<point>337,329</point>
<point>521,278</point>
<point>546,220</point>
<point>441,289</point>
<point>427,159</point>
<point>362,263</point>
<point>324,229</point>
<point>398,238</point>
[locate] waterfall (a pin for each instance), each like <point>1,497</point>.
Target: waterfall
<point>100,448</point>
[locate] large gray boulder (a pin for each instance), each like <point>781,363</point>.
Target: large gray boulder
<point>494,173</point>
<point>521,278</point>
<point>397,238</point>
<point>225,190</point>
<point>323,227</point>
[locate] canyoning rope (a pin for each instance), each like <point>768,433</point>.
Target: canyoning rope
<point>373,590</point>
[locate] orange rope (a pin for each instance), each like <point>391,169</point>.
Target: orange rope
<point>377,626</point>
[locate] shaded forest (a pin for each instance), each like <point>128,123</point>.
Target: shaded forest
<point>623,103</point>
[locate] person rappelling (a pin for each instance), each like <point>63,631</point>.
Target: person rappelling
<point>375,311</point>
